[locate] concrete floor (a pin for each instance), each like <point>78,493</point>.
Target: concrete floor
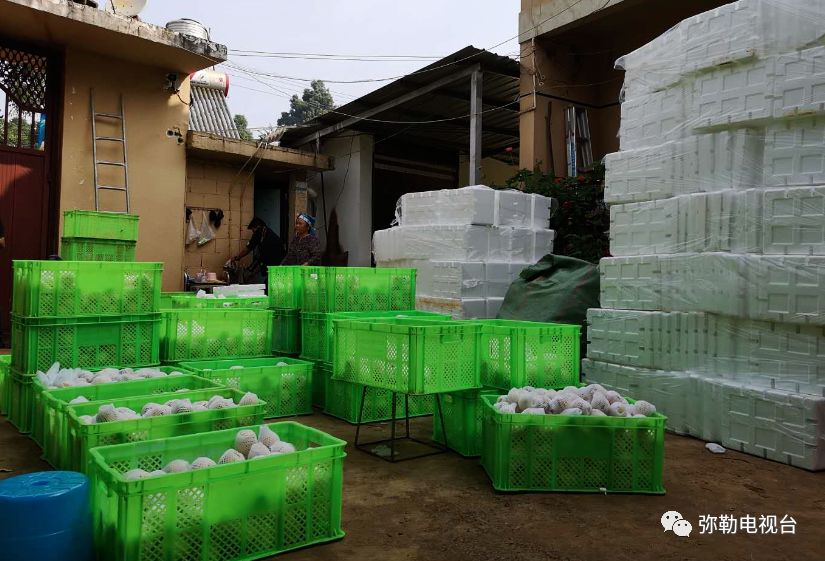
<point>443,508</point>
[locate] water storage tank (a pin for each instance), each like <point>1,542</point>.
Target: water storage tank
<point>212,80</point>
<point>186,26</point>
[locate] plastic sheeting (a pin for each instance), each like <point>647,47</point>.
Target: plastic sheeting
<point>772,423</point>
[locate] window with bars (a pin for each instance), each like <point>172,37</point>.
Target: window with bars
<point>22,99</point>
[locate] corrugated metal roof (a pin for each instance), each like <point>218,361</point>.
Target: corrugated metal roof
<point>499,122</point>
<point>210,113</point>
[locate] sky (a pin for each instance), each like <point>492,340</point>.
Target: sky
<point>419,28</point>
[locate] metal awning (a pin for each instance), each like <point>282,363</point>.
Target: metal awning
<point>439,94</point>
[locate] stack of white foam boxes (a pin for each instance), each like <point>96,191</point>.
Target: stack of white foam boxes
<point>468,245</point>
<point>714,301</point>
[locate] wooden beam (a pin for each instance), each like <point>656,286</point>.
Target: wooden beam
<point>476,140</point>
<point>409,96</point>
<point>234,150</point>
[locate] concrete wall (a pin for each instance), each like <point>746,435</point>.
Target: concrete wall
<point>218,185</point>
<point>157,162</point>
<point>349,190</point>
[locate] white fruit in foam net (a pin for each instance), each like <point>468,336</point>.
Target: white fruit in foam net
<point>244,441</point>
<point>135,474</point>
<point>583,405</point>
<point>513,395</point>
<point>159,411</point>
<point>181,406</point>
<point>617,409</point>
<point>231,456</point>
<point>214,399</point>
<point>572,411</point>
<point>533,411</point>
<point>78,399</point>
<point>106,414</point>
<point>177,466</point>
<point>600,401</point>
<point>505,407</point>
<point>502,399</point>
<point>147,406</point>
<point>176,373</point>
<point>598,413</point>
<point>267,436</point>
<point>199,406</point>
<point>282,448</point>
<point>282,364</point>
<point>157,472</point>
<point>258,450</point>
<point>202,462</point>
<point>88,419</point>
<point>126,414</point>
<point>645,408</point>
<point>236,367</point>
<point>527,400</point>
<point>249,398</point>
<point>613,396</point>
<point>102,379</point>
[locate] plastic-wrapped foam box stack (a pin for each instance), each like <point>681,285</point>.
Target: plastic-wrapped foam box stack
<point>715,297</point>
<point>467,244</point>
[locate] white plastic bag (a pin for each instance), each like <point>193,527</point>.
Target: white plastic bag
<point>192,233</point>
<point>207,234</point>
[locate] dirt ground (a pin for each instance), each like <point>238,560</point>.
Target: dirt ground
<point>443,507</point>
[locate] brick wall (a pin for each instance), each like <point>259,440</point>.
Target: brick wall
<point>219,185</point>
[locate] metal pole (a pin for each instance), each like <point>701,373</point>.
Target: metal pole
<point>476,89</point>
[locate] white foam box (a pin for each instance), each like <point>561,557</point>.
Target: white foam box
<point>458,308</point>
<point>788,289</point>
<point>654,118</point>
<point>640,175</point>
<point>631,283</point>
<point>795,152</point>
<point>469,205</point>
<point>493,306</point>
<point>733,94</point>
<point>542,244</point>
<point>772,424</point>
<point>623,337</point>
<point>499,276</point>
<point>799,87</point>
<point>792,220</point>
<point>644,228</point>
<point>436,242</point>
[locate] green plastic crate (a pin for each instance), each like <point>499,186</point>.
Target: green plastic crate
<point>91,342</point>
<point>83,437</point>
<point>216,334</point>
<point>86,249</point>
<point>286,331</point>
<point>166,298</point>
<point>414,356</point>
<point>85,288</point>
<point>193,302</point>
<point>285,286</point>
<point>572,453</point>
<point>316,328</point>
<point>21,400</point>
<point>357,289</point>
<point>287,389</point>
<point>524,353</point>
<point>343,400</point>
<point>5,378</point>
<point>240,511</point>
<point>50,428</point>
<point>100,225</point>
<point>462,421</point>
<point>320,372</point>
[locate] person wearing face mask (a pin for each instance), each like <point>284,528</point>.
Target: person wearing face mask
<point>305,248</point>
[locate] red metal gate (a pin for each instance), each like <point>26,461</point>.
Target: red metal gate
<point>24,161</point>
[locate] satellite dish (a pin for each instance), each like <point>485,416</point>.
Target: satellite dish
<point>128,8</point>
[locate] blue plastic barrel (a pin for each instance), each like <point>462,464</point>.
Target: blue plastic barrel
<point>45,517</point>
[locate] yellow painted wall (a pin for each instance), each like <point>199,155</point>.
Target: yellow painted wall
<point>493,172</point>
<point>157,163</point>
<point>218,185</point>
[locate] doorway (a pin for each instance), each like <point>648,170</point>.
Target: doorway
<point>28,193</point>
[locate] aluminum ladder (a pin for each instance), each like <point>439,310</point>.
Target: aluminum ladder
<point>124,164</point>
<point>577,126</point>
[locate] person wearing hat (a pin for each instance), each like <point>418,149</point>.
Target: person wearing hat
<point>305,248</point>
<point>266,248</point>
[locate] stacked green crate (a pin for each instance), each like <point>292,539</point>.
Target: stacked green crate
<point>214,334</point>
<point>81,314</point>
<point>285,294</point>
<point>98,236</point>
<point>285,384</point>
<point>5,364</point>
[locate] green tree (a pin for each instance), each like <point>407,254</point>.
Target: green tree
<point>242,124</point>
<point>316,101</point>
<point>14,122</point>
<point>582,220</point>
